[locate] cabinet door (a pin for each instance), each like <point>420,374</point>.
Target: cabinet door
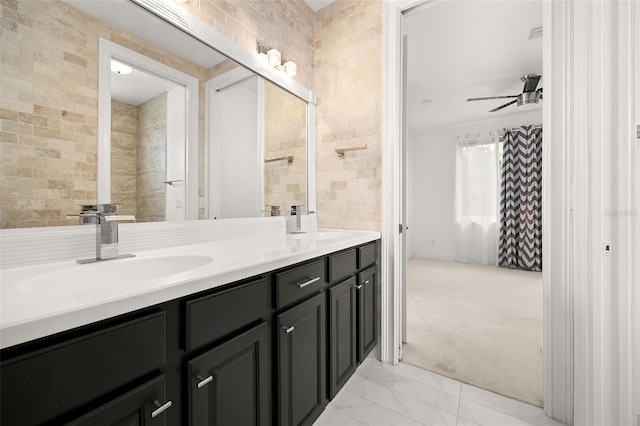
<point>342,332</point>
<point>87,366</point>
<point>366,290</point>
<point>142,406</point>
<point>302,362</point>
<point>230,384</point>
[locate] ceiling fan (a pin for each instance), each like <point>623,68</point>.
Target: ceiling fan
<point>528,98</point>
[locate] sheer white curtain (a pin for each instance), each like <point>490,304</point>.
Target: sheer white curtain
<point>477,186</point>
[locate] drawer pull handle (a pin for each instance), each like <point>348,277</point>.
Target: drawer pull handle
<point>358,287</point>
<point>306,283</point>
<point>161,408</point>
<point>288,329</point>
<point>203,381</point>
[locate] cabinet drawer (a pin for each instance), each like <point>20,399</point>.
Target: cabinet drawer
<point>216,315</point>
<point>136,407</point>
<point>297,283</point>
<point>342,265</point>
<point>366,255</point>
<point>45,384</point>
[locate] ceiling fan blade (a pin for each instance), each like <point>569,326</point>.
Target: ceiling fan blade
<point>504,106</point>
<point>492,97</point>
<point>530,82</point>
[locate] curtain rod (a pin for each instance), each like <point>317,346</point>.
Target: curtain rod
<point>492,132</point>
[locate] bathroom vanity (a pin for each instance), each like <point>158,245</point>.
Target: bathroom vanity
<point>271,346</point>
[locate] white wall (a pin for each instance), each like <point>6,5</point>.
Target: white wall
<point>432,183</point>
<point>176,150</point>
<point>240,184</point>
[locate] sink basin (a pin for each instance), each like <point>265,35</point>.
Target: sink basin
<point>323,235</point>
<point>112,273</point>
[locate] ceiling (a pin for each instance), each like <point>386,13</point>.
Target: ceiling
<point>464,49</point>
<point>134,20</point>
<point>316,5</point>
<point>138,87</point>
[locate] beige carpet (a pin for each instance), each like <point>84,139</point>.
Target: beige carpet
<point>480,325</point>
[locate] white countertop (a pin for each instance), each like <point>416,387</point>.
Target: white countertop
<point>40,300</point>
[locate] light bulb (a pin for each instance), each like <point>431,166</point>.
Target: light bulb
<point>290,68</point>
<point>274,57</point>
<point>120,68</point>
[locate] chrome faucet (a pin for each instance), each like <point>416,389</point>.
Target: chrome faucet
<point>105,217</point>
<point>297,212</point>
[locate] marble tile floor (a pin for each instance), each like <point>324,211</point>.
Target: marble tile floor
<point>384,394</point>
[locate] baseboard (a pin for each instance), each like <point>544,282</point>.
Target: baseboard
<point>434,256</point>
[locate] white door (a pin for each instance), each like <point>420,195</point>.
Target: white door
<point>239,149</point>
<point>403,191</point>
<point>175,156</point>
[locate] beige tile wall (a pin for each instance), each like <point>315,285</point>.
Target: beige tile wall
<point>48,108</point>
<point>287,25</point>
<point>124,154</point>
<point>348,80</point>
<point>152,163</point>
<point>338,52</point>
<point>285,134</point>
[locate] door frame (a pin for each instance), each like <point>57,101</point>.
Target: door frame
<point>591,303</point>
<point>212,137</point>
<point>107,50</point>
<point>558,311</point>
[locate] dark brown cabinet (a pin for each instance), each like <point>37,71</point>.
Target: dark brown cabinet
<point>342,334</point>
<point>44,383</point>
<point>145,405</point>
<point>302,375</point>
<point>367,318</point>
<point>230,384</point>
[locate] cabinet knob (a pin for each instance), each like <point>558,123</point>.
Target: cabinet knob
<point>366,282</point>
<point>358,287</point>
<point>308,282</point>
<point>204,381</point>
<point>161,407</point>
<point>288,329</point>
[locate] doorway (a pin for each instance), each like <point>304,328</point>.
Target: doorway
<point>466,318</point>
<point>147,143</point>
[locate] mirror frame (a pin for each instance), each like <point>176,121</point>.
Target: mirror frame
<point>177,16</point>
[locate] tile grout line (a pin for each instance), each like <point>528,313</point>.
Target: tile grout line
<point>491,407</point>
<point>377,404</point>
<point>421,384</point>
<point>527,421</point>
<point>425,384</point>
<point>344,413</point>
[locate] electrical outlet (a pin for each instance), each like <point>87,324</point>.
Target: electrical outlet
<point>201,203</point>
<point>607,248</point>
<point>179,203</point>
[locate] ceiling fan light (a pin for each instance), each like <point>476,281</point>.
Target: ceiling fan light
<point>528,100</point>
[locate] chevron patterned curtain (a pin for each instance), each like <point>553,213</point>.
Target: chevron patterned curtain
<point>520,243</point>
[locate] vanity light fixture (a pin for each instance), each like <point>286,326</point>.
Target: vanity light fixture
<point>290,68</point>
<point>120,68</point>
<point>274,58</point>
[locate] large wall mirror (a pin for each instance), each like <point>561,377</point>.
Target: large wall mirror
<point>127,101</point>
